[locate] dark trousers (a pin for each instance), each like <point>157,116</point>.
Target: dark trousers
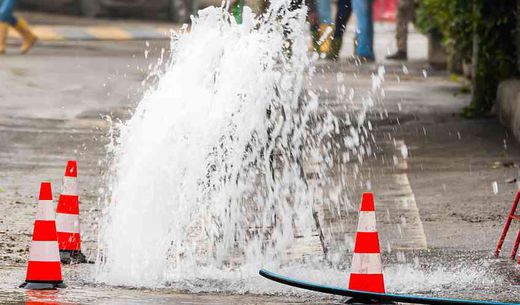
<point>342,17</point>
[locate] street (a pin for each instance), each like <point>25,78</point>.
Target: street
<point>441,181</point>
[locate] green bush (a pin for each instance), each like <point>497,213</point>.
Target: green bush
<point>454,19</point>
<point>481,32</point>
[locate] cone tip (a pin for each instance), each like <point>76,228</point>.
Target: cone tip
<point>367,202</point>
<point>45,191</point>
<point>72,169</point>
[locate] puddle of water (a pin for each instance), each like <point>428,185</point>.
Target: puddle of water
<point>478,278</point>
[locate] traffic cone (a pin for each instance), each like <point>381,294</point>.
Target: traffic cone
<point>44,266</point>
<point>367,270</point>
<point>67,217</point>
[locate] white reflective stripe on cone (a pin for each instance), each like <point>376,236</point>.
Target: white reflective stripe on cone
<point>44,251</point>
<point>45,210</point>
<point>366,263</point>
<point>367,222</point>
<point>68,223</point>
<point>70,186</point>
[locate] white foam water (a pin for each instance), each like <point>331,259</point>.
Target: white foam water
<point>207,174</point>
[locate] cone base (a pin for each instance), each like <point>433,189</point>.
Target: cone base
<point>72,257</point>
<point>43,285</point>
<point>349,300</point>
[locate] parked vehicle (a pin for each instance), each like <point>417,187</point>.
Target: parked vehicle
<point>177,10</point>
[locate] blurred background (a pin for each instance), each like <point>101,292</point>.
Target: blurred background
<point>167,10</point>
<point>171,10</point>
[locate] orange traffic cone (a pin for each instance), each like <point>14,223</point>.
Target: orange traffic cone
<point>67,217</point>
<point>44,267</point>
<point>367,270</point>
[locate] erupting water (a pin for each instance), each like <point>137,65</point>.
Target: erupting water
<point>208,171</point>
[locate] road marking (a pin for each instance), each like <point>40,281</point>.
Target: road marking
<point>43,33</point>
<point>398,220</point>
<point>398,201</point>
<point>111,33</point>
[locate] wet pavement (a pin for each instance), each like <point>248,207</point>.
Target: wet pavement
<point>79,292</point>
<point>440,216</point>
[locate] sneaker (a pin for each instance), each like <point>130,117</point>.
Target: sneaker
<point>399,55</point>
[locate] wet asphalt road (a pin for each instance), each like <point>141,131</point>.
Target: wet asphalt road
<point>54,105</point>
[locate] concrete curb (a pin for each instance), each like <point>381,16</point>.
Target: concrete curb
<point>508,105</point>
<point>63,33</point>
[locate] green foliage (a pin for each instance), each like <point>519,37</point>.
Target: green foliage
<point>495,54</point>
<point>480,32</point>
<point>454,19</point>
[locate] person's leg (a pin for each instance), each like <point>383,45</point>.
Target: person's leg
<point>405,10</point>
<point>312,16</point>
<point>324,13</point>
<point>6,12</point>
<point>22,27</point>
<point>342,16</point>
<point>6,19</point>
<point>365,28</point>
<point>325,20</point>
<point>401,31</point>
<point>314,23</point>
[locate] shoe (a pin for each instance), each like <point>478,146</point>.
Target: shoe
<point>399,55</point>
<point>4,27</point>
<point>326,31</point>
<point>27,35</point>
